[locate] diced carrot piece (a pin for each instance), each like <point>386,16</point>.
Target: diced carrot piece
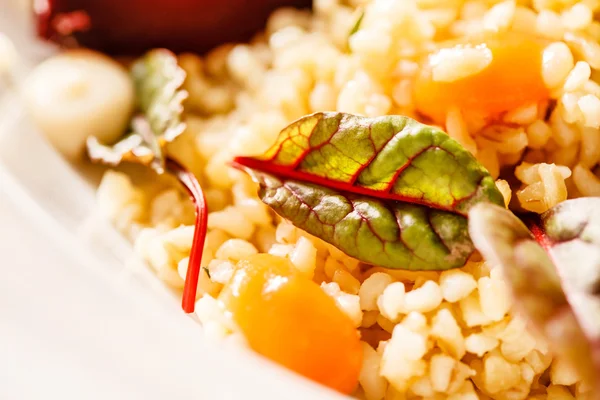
<point>289,319</point>
<point>513,78</point>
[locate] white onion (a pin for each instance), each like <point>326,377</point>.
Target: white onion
<point>78,94</point>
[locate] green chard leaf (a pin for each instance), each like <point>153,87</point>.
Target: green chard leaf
<point>158,81</point>
<point>553,272</point>
<point>388,191</point>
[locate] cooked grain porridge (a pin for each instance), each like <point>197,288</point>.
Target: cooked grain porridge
<point>515,83</point>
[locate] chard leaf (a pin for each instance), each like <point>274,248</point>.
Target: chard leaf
<point>555,286</point>
<point>158,81</point>
<point>388,233</point>
<point>388,191</point>
<point>572,231</point>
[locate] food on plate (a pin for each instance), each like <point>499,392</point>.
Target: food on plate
<point>425,226</point>
<point>78,94</point>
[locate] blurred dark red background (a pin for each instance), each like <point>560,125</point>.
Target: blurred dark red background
<point>133,26</point>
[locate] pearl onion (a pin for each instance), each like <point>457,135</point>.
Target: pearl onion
<point>78,94</point>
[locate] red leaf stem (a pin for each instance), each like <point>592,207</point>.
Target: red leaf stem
<point>539,234</point>
<point>291,173</point>
<point>189,181</point>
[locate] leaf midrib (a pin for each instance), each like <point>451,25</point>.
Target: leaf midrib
<point>286,172</point>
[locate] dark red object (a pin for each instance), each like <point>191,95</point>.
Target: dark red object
<point>134,26</point>
<point>532,221</point>
<point>189,181</point>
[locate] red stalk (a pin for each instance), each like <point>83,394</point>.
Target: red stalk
<point>533,223</point>
<point>291,173</point>
<point>189,181</point>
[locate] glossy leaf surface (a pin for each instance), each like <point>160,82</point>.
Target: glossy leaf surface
<point>389,190</point>
<point>390,157</point>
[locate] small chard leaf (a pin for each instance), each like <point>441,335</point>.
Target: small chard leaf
<point>388,191</point>
<point>505,241</point>
<point>555,286</point>
<point>158,81</point>
<point>572,231</point>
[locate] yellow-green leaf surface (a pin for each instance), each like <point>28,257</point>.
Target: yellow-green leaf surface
<point>388,190</point>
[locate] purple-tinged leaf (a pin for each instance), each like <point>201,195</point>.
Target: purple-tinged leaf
<point>555,286</point>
